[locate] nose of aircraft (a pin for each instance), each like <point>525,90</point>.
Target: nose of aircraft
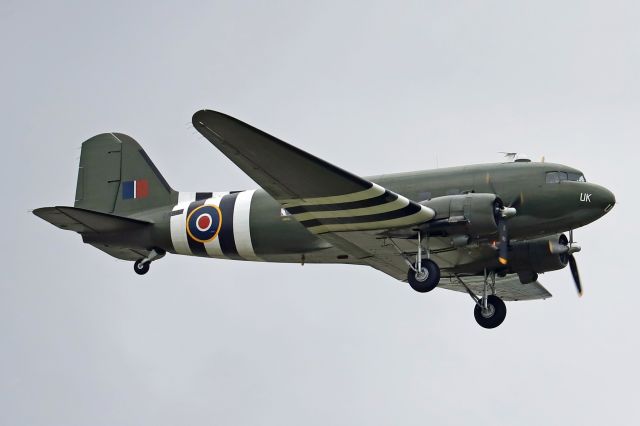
<point>603,199</point>
<point>608,200</point>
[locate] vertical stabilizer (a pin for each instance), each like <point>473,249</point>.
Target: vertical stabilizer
<point>116,176</point>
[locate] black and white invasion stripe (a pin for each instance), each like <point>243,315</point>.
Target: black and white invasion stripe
<point>234,238</point>
<point>373,208</point>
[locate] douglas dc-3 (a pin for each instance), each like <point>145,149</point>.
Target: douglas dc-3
<point>487,230</point>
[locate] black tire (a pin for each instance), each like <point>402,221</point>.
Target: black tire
<point>496,318</point>
<point>430,282</point>
<point>141,268</point>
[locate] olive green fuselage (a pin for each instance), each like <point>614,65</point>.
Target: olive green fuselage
<point>264,231</point>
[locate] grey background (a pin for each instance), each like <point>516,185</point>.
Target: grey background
<point>374,87</point>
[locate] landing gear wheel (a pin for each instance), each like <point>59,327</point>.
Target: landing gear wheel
<point>494,314</point>
<point>426,279</point>
<point>141,268</point>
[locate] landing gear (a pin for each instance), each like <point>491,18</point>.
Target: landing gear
<point>423,275</point>
<point>490,311</point>
<point>426,278</point>
<point>142,266</point>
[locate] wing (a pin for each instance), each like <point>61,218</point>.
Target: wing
<point>508,288</point>
<point>321,196</point>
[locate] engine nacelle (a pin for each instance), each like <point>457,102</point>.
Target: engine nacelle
<point>537,255</point>
<point>473,215</point>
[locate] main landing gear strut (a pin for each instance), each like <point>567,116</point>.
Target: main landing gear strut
<point>490,311</point>
<point>424,274</point>
<point>142,265</point>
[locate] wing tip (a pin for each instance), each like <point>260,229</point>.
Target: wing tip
<point>41,212</point>
<point>200,116</point>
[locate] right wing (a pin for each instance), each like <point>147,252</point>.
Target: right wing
<point>508,288</point>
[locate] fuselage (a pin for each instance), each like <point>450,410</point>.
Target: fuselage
<point>551,198</point>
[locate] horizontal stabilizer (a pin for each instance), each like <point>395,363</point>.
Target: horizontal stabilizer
<point>87,221</point>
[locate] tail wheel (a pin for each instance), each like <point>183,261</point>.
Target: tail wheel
<point>426,279</point>
<point>141,268</point>
<point>493,315</point>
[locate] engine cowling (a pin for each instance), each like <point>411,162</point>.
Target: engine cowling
<point>537,255</point>
<point>473,215</point>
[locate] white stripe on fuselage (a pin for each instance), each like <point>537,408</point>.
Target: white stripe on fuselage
<point>242,225</point>
<point>178,223</point>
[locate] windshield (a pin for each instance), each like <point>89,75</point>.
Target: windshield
<point>557,177</point>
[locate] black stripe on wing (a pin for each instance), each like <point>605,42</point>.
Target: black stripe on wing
<point>378,217</point>
<point>386,197</point>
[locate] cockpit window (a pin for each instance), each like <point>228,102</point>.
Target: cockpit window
<point>557,177</point>
<point>576,177</point>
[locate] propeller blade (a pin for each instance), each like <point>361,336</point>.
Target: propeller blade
<point>503,237</point>
<point>490,183</point>
<point>518,201</point>
<point>576,275</point>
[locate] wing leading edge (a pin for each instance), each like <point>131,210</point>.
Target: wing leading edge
<point>321,196</point>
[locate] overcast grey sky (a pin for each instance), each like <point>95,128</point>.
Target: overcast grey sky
<point>371,86</point>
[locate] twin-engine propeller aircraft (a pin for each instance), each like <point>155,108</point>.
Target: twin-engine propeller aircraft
<point>487,230</point>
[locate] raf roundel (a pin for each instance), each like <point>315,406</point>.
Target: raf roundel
<point>203,223</point>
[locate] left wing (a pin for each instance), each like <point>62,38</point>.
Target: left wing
<point>344,209</point>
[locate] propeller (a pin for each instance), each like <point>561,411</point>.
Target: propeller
<point>502,213</point>
<point>573,265</point>
<point>576,275</point>
<point>567,248</point>
<point>503,238</point>
<point>515,203</point>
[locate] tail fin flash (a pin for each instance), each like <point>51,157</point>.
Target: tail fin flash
<point>117,176</point>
